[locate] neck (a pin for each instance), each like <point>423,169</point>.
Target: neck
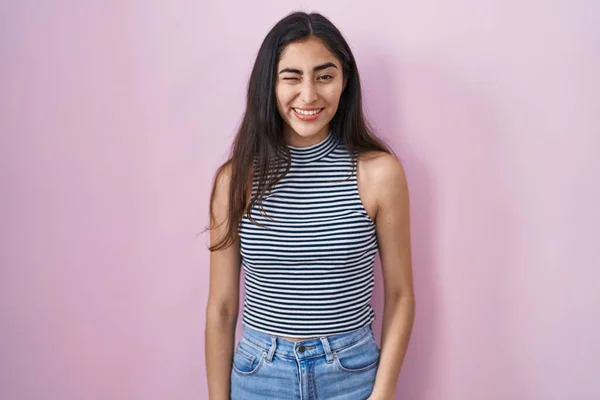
<point>292,138</point>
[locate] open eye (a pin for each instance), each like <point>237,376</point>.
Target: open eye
<point>325,77</point>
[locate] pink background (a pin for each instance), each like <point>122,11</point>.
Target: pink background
<point>114,115</point>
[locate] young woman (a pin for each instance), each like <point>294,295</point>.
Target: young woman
<point>304,203</point>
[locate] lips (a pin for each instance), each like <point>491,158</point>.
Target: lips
<point>307,111</point>
<point>307,115</point>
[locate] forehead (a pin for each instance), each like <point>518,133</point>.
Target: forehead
<point>306,52</point>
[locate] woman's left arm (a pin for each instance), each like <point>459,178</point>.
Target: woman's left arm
<point>393,233</point>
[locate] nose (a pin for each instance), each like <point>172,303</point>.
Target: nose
<point>309,93</point>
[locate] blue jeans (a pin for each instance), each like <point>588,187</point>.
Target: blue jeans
<point>335,367</point>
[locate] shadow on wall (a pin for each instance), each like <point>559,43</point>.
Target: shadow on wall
<point>383,105</point>
<point>444,105</point>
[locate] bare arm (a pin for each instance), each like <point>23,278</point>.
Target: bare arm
<point>223,298</point>
<point>393,233</point>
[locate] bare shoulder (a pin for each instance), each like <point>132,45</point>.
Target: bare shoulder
<point>219,201</point>
<point>222,178</point>
<point>382,168</point>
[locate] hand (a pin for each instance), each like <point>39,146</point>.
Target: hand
<point>375,396</point>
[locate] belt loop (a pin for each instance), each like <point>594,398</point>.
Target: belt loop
<point>272,349</point>
<point>328,354</point>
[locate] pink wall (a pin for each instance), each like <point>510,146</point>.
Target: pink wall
<point>114,116</point>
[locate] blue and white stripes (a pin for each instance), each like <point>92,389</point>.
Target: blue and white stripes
<point>308,265</point>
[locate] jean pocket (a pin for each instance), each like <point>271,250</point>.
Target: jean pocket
<point>247,359</point>
<point>361,356</point>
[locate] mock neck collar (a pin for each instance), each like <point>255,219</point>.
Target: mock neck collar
<point>313,152</point>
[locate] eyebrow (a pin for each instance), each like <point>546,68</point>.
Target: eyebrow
<point>315,69</point>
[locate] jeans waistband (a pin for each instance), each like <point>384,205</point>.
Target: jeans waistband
<point>305,348</point>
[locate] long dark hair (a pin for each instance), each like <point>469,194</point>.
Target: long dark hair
<point>259,150</point>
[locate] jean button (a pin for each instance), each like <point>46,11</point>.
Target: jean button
<point>301,349</point>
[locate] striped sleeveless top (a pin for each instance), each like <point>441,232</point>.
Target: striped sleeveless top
<point>308,266</point>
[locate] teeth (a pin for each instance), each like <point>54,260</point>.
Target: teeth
<point>307,112</point>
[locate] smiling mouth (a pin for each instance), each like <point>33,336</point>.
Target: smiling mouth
<point>307,112</point>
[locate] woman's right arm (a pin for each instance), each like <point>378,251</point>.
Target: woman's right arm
<point>223,297</point>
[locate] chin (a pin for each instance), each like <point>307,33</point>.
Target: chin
<point>306,131</point>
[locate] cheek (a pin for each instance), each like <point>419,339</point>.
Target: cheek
<point>332,95</point>
<point>284,95</point>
